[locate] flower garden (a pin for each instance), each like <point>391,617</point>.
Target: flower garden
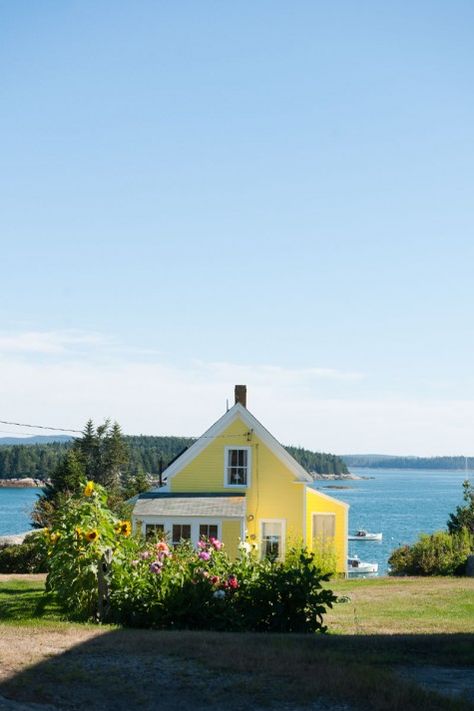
<point>98,570</point>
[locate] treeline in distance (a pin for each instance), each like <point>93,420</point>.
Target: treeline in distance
<point>146,453</point>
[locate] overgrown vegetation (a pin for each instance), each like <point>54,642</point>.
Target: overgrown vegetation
<point>28,557</point>
<point>443,552</point>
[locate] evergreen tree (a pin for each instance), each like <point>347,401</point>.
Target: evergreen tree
<point>464,516</point>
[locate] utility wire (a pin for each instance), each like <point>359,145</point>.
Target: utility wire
<point>39,427</point>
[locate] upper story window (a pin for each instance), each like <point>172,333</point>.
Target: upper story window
<point>237,466</point>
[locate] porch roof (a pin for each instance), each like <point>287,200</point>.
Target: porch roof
<point>204,505</point>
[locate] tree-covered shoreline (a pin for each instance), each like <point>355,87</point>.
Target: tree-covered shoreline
<point>146,453</point>
<point>384,461</point>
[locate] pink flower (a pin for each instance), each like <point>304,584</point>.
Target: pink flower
<point>204,555</point>
<point>156,567</point>
<point>233,582</point>
<point>202,545</point>
<point>215,580</point>
<point>162,547</point>
<point>216,543</point>
<point>145,555</point>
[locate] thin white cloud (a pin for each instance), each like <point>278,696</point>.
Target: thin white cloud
<point>153,397</point>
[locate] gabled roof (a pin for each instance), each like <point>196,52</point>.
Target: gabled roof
<point>238,411</point>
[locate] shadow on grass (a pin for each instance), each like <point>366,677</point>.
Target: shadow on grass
<point>18,604</point>
<point>106,668</point>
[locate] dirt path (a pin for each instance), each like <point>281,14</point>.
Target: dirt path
<point>77,668</point>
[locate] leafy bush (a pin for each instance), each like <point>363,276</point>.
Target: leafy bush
<point>439,553</point>
<point>27,557</point>
<point>204,589</point>
<point>98,570</point>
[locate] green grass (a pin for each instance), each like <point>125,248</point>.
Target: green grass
<point>388,623</point>
<point>23,602</point>
<point>403,606</point>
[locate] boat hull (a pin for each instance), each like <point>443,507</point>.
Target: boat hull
<point>366,537</point>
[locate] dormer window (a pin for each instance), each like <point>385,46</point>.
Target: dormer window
<point>237,466</point>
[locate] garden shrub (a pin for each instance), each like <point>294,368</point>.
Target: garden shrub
<point>148,584</point>
<point>26,557</point>
<point>438,553</point>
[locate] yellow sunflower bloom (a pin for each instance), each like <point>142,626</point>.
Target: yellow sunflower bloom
<point>92,536</point>
<point>125,528</point>
<point>89,488</point>
<point>54,537</point>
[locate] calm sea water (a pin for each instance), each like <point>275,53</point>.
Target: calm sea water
<point>15,508</point>
<point>401,503</point>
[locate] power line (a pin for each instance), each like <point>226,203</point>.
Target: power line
<point>39,427</point>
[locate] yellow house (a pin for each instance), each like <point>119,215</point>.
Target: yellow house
<point>237,483</point>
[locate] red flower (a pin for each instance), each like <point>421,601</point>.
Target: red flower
<point>233,582</point>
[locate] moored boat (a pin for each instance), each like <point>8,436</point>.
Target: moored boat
<point>356,566</point>
<point>363,535</point>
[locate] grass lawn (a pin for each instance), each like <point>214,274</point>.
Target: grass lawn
<point>387,625</point>
<point>404,606</point>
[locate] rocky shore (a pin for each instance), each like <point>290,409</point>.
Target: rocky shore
<point>25,483</point>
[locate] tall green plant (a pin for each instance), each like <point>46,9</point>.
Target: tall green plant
<point>86,538</point>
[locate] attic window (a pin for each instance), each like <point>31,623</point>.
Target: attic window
<point>237,466</point>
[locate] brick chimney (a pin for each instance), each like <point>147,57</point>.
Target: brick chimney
<point>241,394</point>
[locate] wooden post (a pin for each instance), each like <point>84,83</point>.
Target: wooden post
<point>103,602</point>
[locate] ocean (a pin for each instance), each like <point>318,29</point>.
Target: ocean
<point>15,509</point>
<point>401,503</point>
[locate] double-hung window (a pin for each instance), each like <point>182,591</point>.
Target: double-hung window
<point>180,532</point>
<point>154,529</point>
<point>208,530</point>
<point>237,466</point>
<point>273,539</point>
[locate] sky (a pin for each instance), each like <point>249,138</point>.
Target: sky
<point>194,195</point>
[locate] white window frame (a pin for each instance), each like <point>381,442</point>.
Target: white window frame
<point>226,464</point>
<point>322,513</point>
<point>281,521</point>
<point>194,522</point>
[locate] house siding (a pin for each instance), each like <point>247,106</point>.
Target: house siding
<point>275,492</point>
<point>231,537</point>
<point>315,503</point>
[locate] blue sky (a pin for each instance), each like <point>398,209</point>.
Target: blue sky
<point>197,194</point>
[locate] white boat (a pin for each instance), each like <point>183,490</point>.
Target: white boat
<point>356,566</point>
<point>363,535</point>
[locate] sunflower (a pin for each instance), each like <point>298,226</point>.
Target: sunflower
<point>92,536</point>
<point>89,488</point>
<point>125,528</point>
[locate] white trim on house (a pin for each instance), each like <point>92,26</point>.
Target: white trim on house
<point>238,411</point>
<point>305,526</point>
<point>282,521</point>
<point>231,448</point>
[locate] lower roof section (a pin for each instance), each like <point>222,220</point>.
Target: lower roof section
<point>225,505</point>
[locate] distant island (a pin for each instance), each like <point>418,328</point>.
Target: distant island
<point>36,457</point>
<point>387,461</point>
